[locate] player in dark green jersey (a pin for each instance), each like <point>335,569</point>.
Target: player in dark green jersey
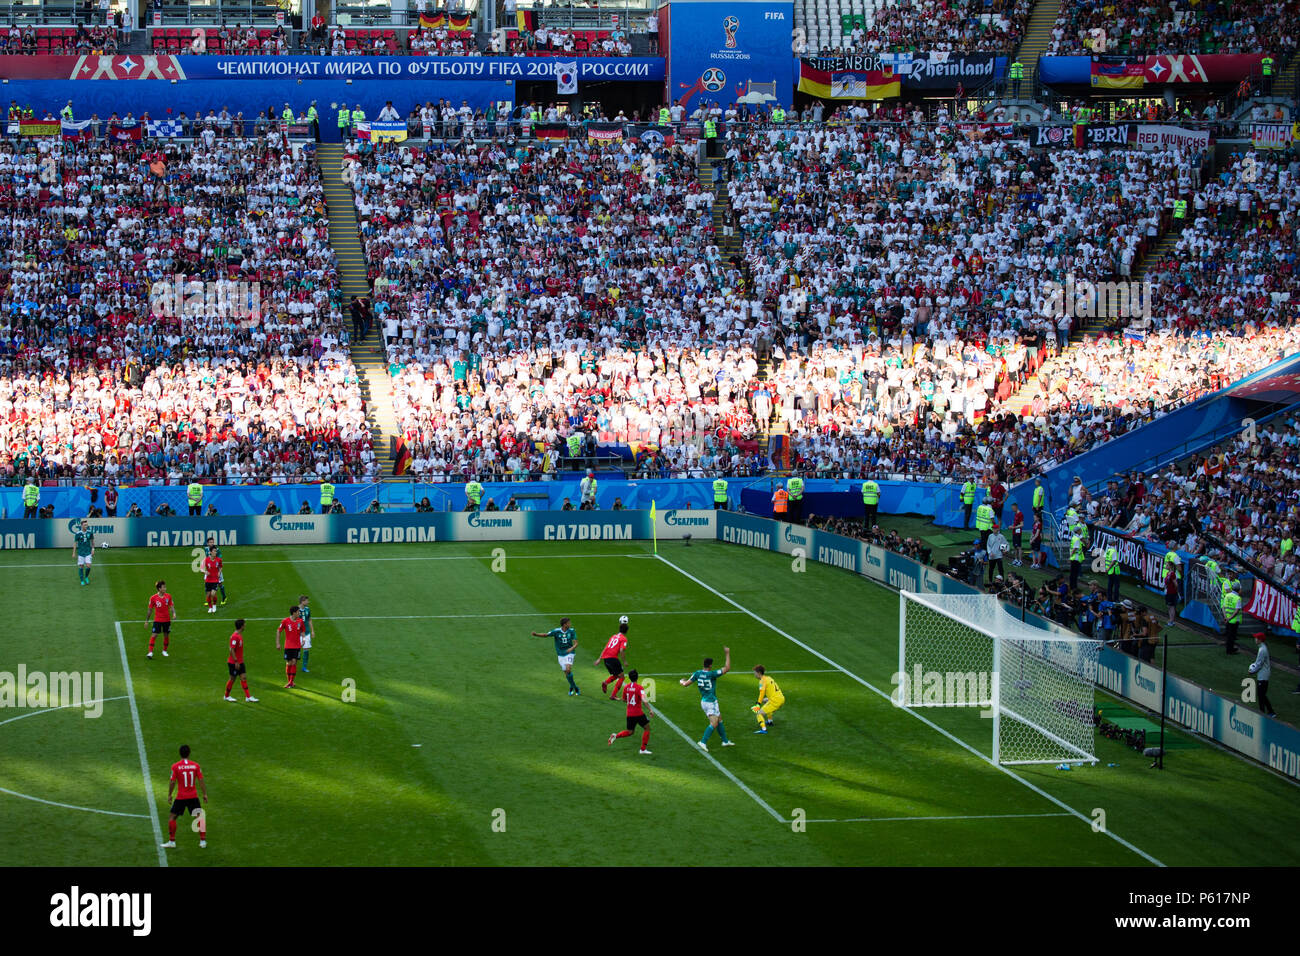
<point>566,642</point>
<point>212,546</point>
<point>706,679</point>
<point>83,546</point>
<point>305,614</point>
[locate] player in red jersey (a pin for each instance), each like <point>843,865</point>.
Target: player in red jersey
<point>612,656</point>
<point>638,712</point>
<point>186,777</point>
<point>211,579</point>
<point>291,628</point>
<point>235,662</point>
<point>160,610</point>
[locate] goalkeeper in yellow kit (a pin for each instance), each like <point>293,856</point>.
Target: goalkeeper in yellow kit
<point>770,699</point>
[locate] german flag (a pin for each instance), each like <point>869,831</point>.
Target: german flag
<point>432,21</point>
<point>526,20</point>
<point>403,457</point>
<point>835,84</point>
<point>1118,74</point>
<point>459,23</point>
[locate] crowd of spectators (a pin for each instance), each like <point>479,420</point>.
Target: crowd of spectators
<point>938,26</point>
<point>111,365</point>
<point>1139,27</point>
<point>95,40</point>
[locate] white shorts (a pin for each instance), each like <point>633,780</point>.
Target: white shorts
<point>566,661</point>
<point>710,708</point>
<point>83,560</point>
<point>306,642</point>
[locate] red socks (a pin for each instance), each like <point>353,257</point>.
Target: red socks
<point>243,682</point>
<point>645,740</point>
<point>231,683</point>
<point>171,829</point>
<point>624,733</point>
<point>290,670</point>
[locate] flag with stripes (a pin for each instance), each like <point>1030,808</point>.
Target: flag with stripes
<point>76,132</point>
<point>165,128</point>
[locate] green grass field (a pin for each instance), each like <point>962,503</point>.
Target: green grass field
<point>462,746</point>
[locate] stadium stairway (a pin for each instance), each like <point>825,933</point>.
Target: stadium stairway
<point>1287,83</point>
<point>372,366</point>
<point>1038,36</point>
<point>729,245</point>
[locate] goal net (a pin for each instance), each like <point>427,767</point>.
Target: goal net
<point>1035,685</point>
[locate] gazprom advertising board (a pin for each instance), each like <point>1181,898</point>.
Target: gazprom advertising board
<point>734,52</point>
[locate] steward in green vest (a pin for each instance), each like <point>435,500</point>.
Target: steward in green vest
<point>1039,495</point>
<point>194,497</point>
<point>719,494</point>
<point>1076,560</point>
<point>1266,74</point>
<point>984,521</point>
<point>66,113</point>
<point>710,129</point>
<point>1231,607</point>
<point>287,114</point>
<point>358,117</point>
<point>345,119</point>
<point>473,495</point>
<point>1180,213</point>
<point>870,499</point>
<point>575,445</point>
<point>794,488</point>
<point>778,114</point>
<point>967,500</point>
<point>326,497</point>
<point>1017,74</point>
<point>1113,571</point>
<point>31,499</point>
<point>665,117</point>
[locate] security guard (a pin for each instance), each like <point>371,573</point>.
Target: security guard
<point>66,112</point>
<point>870,499</point>
<point>794,485</point>
<point>1076,559</point>
<point>984,521</point>
<point>710,129</point>
<point>665,117</point>
<point>313,120</point>
<point>287,114</point>
<point>31,499</point>
<point>345,121</point>
<point>778,114</point>
<point>473,494</point>
<point>1231,607</point>
<point>1039,495</point>
<point>575,445</point>
<point>1266,74</point>
<point>194,496</point>
<point>1180,213</point>
<point>358,117</point>
<point>780,503</point>
<point>326,497</point>
<point>1017,74</point>
<point>967,500</point>
<point>719,494</point>
<point>1111,561</point>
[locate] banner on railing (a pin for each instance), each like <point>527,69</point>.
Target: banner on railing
<point>1271,604</point>
<point>1158,137</point>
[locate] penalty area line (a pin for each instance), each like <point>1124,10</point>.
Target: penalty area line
<point>907,710</point>
<point>972,816</point>
<point>694,745</point>
<point>139,745</point>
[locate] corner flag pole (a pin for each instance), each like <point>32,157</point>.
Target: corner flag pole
<point>654,527</point>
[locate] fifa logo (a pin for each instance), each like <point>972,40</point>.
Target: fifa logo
<point>729,26</point>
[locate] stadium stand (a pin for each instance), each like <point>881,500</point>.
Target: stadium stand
<point>1131,27</point>
<point>839,27</point>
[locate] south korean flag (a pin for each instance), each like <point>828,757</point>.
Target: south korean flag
<point>566,78</point>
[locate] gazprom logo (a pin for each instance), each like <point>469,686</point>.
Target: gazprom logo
<point>477,520</point>
<point>1240,726</point>
<point>279,523</point>
<point>792,537</point>
<point>693,521</point>
<point>74,525</point>
<point>1146,683</point>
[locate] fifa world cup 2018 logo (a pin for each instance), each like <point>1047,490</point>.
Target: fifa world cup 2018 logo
<point>729,26</point>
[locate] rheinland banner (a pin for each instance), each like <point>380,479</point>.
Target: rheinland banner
<point>1158,137</point>
<point>307,68</point>
<point>947,71</point>
<point>848,78</point>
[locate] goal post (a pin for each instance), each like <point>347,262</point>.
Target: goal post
<point>1035,685</point>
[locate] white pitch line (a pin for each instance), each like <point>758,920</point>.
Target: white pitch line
<point>450,617</point>
<point>820,670</point>
<point>54,803</point>
<point>139,744</point>
<point>694,745</point>
<point>71,806</point>
<point>354,560</point>
<point>925,720</point>
<point>973,816</point>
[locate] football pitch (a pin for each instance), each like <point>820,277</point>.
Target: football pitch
<point>433,729</point>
